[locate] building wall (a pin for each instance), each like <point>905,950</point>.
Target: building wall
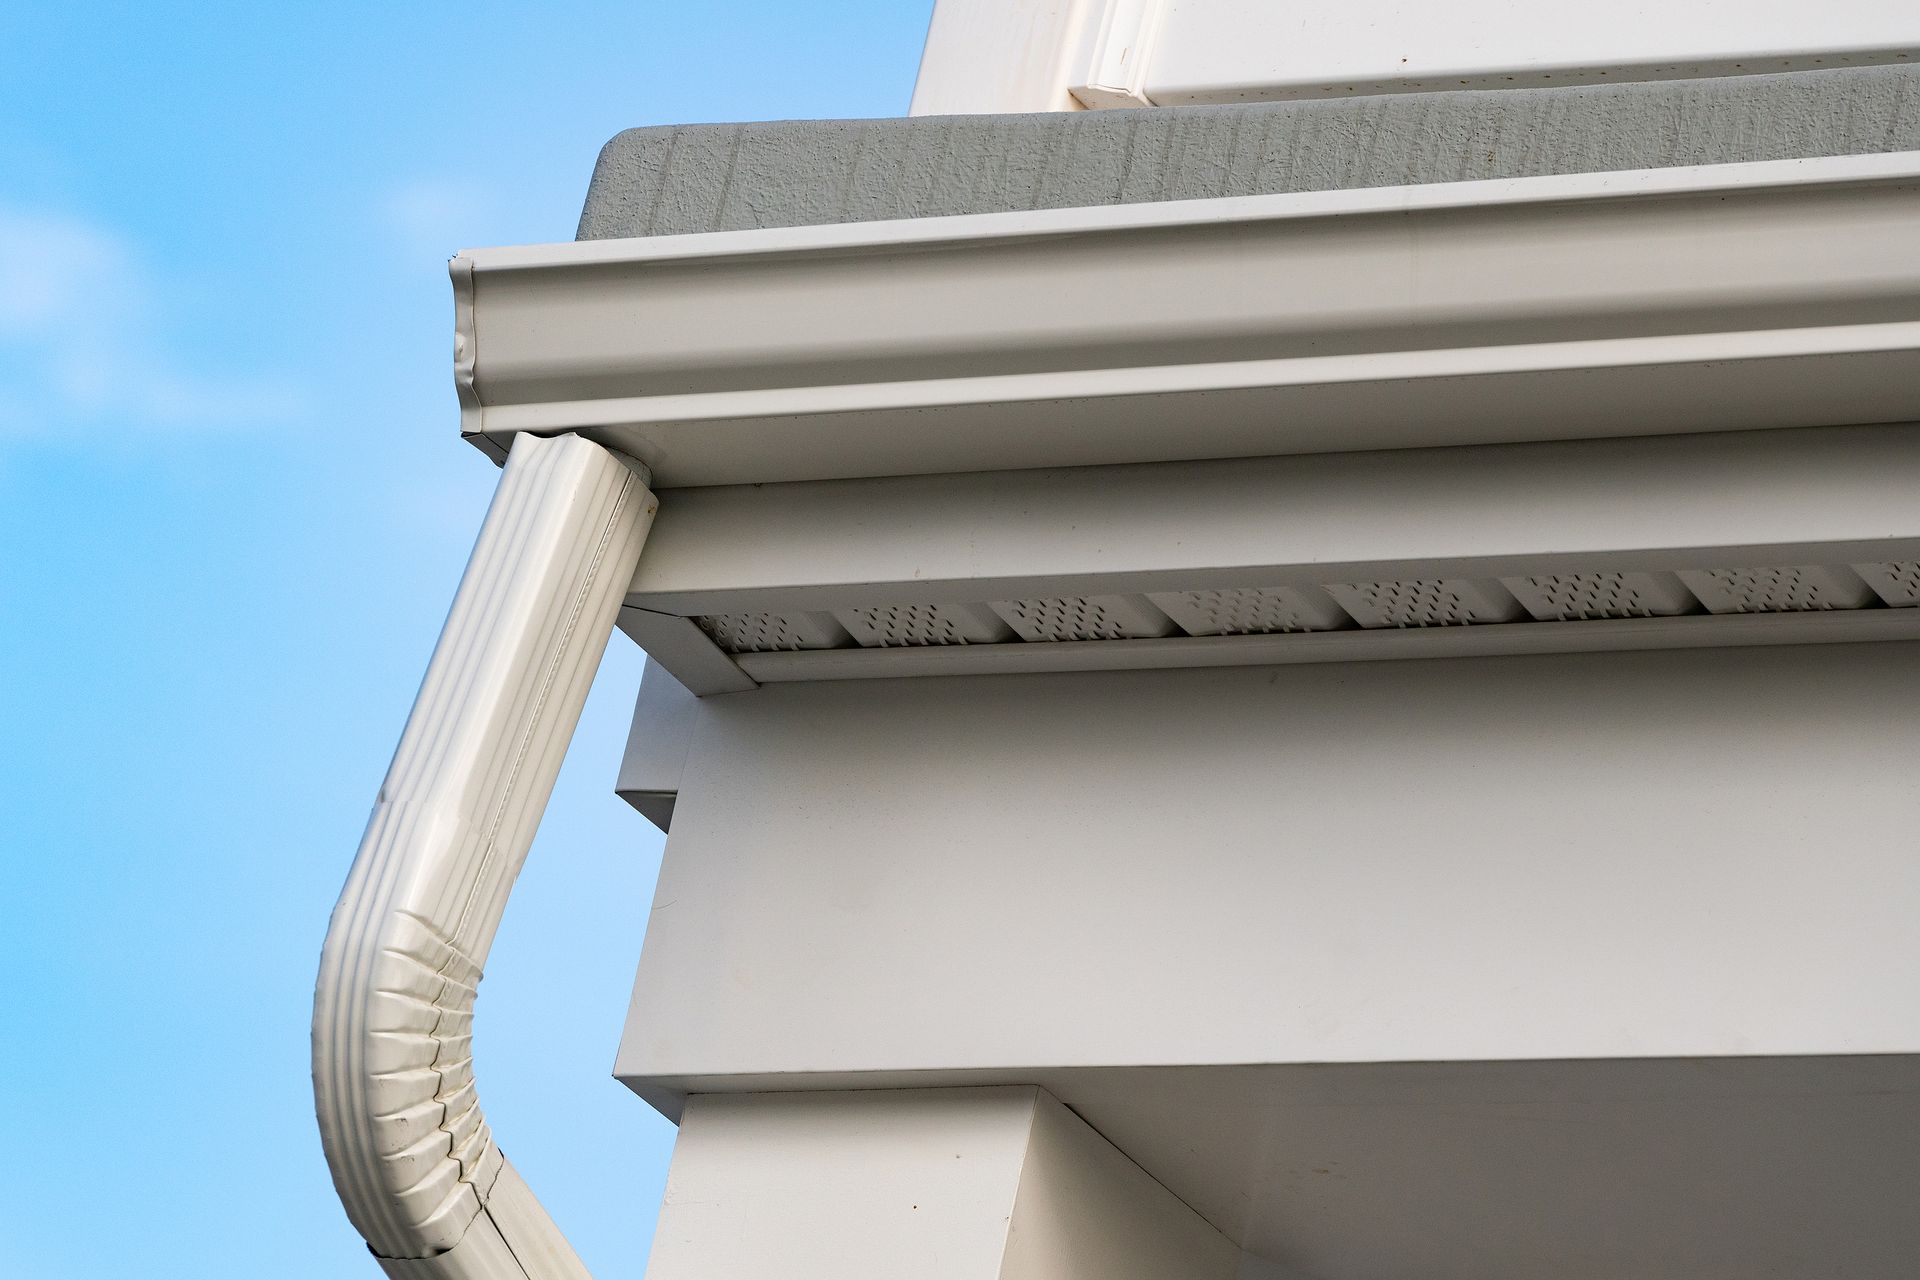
<point>1635,855</point>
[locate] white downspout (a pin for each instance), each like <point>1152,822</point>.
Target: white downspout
<point>412,1157</point>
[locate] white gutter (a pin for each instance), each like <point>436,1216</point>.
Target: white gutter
<point>1781,293</point>
<point>412,1157</point>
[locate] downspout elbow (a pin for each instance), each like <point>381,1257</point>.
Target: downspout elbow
<point>413,1159</point>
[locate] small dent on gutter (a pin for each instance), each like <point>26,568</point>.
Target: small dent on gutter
<point>466,344</point>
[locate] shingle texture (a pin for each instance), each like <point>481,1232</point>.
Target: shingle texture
<point>728,177</point>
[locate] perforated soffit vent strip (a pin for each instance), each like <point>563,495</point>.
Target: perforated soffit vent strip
<point>1412,617</point>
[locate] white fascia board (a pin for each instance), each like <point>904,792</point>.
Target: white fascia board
<point>1784,293</point>
<point>1815,496</point>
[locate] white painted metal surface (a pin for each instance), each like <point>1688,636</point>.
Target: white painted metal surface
<point>1390,644</point>
<point>1218,909</point>
<point>1897,583</point>
<point>1605,855</point>
<point>1755,295</point>
<point>1597,959</point>
<point>1055,618</point>
<point>1055,55</point>
<point>1008,55</point>
<point>678,644</point>
<point>1779,589</point>
<point>412,1157</point>
<point>1251,610</point>
<point>772,632</point>
<point>1553,547</point>
<point>1425,602</point>
<point>1198,51</point>
<point>651,767</point>
<point>1562,597</point>
<point>1119,39</point>
<point>1490,511</point>
<point>1727,1168</point>
<point>952,1184</point>
<point>1664,1169</point>
<point>895,626</point>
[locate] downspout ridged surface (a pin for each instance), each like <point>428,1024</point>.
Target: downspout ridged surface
<point>412,1157</point>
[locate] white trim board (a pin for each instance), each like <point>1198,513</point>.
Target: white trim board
<point>1821,495</point>
<point>1231,51</point>
<point>1000,55</point>
<point>1062,55</point>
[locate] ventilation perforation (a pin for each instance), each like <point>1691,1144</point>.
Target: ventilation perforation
<point>771,632</point>
<point>1895,581</point>
<point>1783,589</point>
<point>1578,596</point>
<point>1252,610</point>
<point>897,626</point>
<point>1573,597</point>
<point>1426,602</point>
<point>1084,618</point>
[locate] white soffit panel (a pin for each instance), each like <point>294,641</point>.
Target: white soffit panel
<point>1323,621</point>
<point>900,625</point>
<point>1784,293</point>
<point>763,632</point>
<point>1568,546</point>
<point>1425,602</point>
<point>1220,51</point>
<point>1897,583</point>
<point>1780,589</point>
<point>1084,618</point>
<point>1559,597</point>
<point>1252,610</point>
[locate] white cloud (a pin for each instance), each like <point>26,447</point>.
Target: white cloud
<point>51,268</point>
<point>82,341</point>
<point>435,217</point>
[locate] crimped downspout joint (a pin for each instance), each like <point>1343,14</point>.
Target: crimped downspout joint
<point>412,1156</point>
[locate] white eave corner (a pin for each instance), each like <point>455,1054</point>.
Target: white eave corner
<point>1740,298</point>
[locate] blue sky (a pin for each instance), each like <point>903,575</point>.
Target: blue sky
<point>233,509</point>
